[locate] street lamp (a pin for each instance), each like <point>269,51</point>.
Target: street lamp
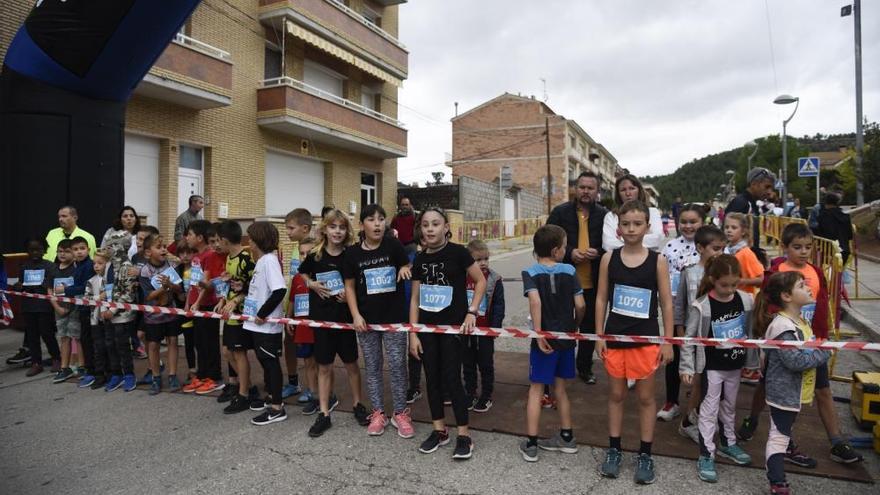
<point>785,100</point>
<point>748,145</point>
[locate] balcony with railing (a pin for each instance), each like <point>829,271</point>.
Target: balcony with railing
<point>190,73</point>
<point>293,107</point>
<point>342,26</point>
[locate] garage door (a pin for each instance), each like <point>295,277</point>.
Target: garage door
<point>142,176</point>
<point>293,182</point>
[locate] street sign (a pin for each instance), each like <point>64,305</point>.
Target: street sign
<point>779,185</point>
<point>506,177</point>
<point>808,166</point>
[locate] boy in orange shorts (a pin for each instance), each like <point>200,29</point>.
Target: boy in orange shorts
<point>634,278</point>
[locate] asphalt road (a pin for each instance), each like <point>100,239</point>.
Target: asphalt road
<point>59,439</point>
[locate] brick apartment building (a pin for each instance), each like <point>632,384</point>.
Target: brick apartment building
<point>509,130</point>
<point>262,106</point>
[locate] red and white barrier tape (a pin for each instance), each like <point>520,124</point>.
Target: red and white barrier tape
<point>480,331</point>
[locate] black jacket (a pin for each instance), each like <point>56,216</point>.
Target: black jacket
<point>565,216</point>
<point>836,225</point>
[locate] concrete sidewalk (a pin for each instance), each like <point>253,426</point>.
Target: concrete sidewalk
<point>864,314</point>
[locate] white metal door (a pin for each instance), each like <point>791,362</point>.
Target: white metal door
<point>509,216</point>
<point>189,182</point>
<point>141,163</point>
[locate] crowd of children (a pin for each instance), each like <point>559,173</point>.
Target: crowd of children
<point>705,283</point>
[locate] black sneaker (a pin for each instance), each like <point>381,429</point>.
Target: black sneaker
<point>238,404</point>
<point>259,404</point>
<point>434,441</point>
<point>22,357</point>
<point>360,414</point>
<point>413,395</point>
<point>587,377</point>
<point>471,402</point>
<point>747,430</point>
<point>464,448</point>
<point>311,407</point>
<point>229,392</point>
<point>322,424</point>
<point>334,403</point>
<point>798,458</point>
<point>483,405</point>
<point>270,416</point>
<point>99,383</point>
<point>845,454</point>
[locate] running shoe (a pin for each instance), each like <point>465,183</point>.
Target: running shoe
<point>464,448</point>
<point>376,423</point>
<point>413,395</point>
<point>403,422</point>
<point>669,412</point>
<point>845,454</point>
<point>557,444</point>
<point>610,468</point>
<point>529,452</point>
<point>129,382</point>
<point>706,469</point>
<point>434,441</point>
<point>735,453</point>
<point>114,383</point>
<point>208,386</point>
<point>644,474</point>
<point>270,416</point>
<point>322,424</point>
<point>483,405</point>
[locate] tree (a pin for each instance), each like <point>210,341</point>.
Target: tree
<point>438,177</point>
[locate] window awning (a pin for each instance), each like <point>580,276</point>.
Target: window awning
<point>340,53</point>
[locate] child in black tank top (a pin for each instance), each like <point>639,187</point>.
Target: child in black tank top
<point>633,281</point>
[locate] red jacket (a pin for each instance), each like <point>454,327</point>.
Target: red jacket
<point>820,317</point>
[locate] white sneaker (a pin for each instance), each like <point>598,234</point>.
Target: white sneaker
<point>692,432</point>
<point>669,412</point>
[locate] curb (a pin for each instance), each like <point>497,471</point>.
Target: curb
<point>509,254</point>
<point>861,323</point>
<point>869,257</point>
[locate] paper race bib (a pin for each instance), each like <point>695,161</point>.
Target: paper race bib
<point>675,279</point>
<point>196,274</point>
<point>294,266</point>
<point>108,291</point>
<point>483,302</point>
<point>332,281</point>
<point>381,280</point>
<point>169,272</point>
<point>33,277</point>
<point>250,307</point>
<point>301,305</point>
<point>631,301</point>
<point>64,281</point>
<point>221,287</point>
<point>435,298</point>
<point>808,312</point>
<point>730,329</point>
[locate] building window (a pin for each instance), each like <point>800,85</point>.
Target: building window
<point>190,157</point>
<point>372,16</point>
<point>368,189</point>
<point>370,97</point>
<point>323,78</point>
<point>271,63</point>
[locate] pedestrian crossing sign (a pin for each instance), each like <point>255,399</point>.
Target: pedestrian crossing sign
<point>808,166</point>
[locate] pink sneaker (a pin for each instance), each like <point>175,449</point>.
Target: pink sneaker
<point>377,423</point>
<point>403,423</point>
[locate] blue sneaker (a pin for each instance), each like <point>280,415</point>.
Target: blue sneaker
<point>114,383</point>
<point>706,469</point>
<point>736,454</point>
<point>611,467</point>
<point>305,396</point>
<point>644,470</point>
<point>156,386</point>
<point>129,382</point>
<point>86,381</point>
<point>290,390</point>
<point>310,407</point>
<point>173,383</point>
<point>146,379</point>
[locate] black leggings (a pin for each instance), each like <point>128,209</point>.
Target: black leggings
<point>85,341</point>
<point>479,352</point>
<point>415,372</point>
<point>118,339</point>
<point>441,356</point>
<point>189,345</point>
<point>673,379</point>
<point>268,346</point>
<point>101,361</point>
<point>41,326</point>
<point>207,332</point>
<point>584,359</point>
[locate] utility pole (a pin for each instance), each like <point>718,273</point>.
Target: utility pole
<point>860,136</point>
<point>549,177</point>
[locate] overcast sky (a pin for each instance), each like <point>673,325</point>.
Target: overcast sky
<point>659,83</point>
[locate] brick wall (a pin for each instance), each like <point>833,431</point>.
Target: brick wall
<point>531,205</point>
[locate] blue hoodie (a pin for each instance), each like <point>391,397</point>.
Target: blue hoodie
<point>85,270</point>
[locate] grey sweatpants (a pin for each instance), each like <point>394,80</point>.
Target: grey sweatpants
<point>395,344</point>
